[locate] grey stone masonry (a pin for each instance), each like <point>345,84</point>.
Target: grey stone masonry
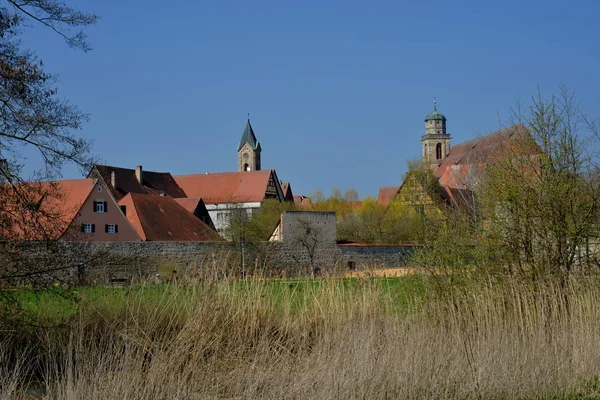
<point>127,262</point>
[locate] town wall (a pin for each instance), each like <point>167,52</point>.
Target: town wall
<point>113,262</point>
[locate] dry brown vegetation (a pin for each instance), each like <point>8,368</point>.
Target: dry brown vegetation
<point>485,338</point>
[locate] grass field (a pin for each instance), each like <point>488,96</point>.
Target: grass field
<point>403,337</point>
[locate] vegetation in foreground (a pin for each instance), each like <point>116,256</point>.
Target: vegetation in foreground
<point>412,337</point>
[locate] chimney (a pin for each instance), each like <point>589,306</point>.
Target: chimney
<point>113,180</point>
<point>138,173</point>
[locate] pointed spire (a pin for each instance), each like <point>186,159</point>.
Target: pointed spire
<point>249,137</point>
<point>434,104</point>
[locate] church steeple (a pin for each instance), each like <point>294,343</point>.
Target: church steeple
<point>249,150</point>
<point>436,141</point>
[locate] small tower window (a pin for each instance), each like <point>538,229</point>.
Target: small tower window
<point>247,167</point>
<point>438,151</point>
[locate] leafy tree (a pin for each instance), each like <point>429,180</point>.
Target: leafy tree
<point>537,199</point>
<point>341,204</point>
<point>258,226</point>
<point>374,222</point>
<point>544,205</point>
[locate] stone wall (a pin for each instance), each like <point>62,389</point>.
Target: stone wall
<point>374,256</point>
<point>142,261</point>
<point>106,262</point>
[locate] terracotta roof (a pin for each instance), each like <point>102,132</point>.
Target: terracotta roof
<point>466,161</point>
<point>302,202</point>
<point>459,198</point>
<point>161,218</point>
<point>41,210</point>
<point>286,188</point>
<point>155,183</point>
<point>386,194</point>
<point>189,203</point>
<point>196,206</point>
<point>227,187</point>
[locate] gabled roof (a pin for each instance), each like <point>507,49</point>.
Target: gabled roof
<point>466,161</point>
<point>161,218</point>
<point>196,206</point>
<point>229,187</point>
<point>41,210</point>
<point>459,198</point>
<point>248,137</point>
<point>155,183</point>
<point>386,194</point>
<point>190,203</point>
<point>302,202</point>
<point>286,188</point>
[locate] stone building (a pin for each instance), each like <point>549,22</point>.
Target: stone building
<point>249,151</point>
<point>458,169</point>
<point>436,140</point>
<point>305,226</point>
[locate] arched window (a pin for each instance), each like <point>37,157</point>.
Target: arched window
<point>438,151</point>
<point>246,167</point>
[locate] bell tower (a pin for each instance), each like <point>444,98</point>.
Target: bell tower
<point>248,151</point>
<point>436,141</point>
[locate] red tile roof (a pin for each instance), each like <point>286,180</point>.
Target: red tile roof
<point>302,202</point>
<point>196,206</point>
<point>465,162</point>
<point>57,203</point>
<point>386,194</point>
<point>155,183</point>
<point>226,187</point>
<point>286,188</point>
<point>189,203</point>
<point>161,218</point>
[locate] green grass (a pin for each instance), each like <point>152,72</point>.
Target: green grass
<point>48,307</point>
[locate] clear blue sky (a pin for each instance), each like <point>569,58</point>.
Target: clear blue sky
<point>337,90</point>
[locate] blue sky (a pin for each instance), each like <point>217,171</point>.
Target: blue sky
<point>337,90</point>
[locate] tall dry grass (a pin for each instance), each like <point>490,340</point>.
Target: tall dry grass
<point>507,339</point>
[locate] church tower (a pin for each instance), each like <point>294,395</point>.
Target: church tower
<point>249,151</point>
<point>436,141</point>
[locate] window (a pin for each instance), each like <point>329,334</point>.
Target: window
<point>100,206</point>
<point>111,228</point>
<point>123,209</point>
<point>99,188</point>
<point>221,216</point>
<point>438,151</point>
<point>88,228</point>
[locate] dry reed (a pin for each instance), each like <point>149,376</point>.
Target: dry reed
<point>507,339</point>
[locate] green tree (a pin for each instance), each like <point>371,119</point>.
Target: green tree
<point>543,205</point>
<point>536,203</point>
